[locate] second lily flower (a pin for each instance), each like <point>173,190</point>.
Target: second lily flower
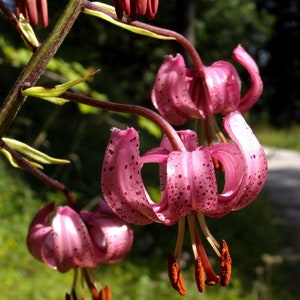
<point>181,94</point>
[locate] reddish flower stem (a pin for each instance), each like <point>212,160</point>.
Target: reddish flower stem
<point>40,175</point>
<point>185,43</point>
<point>132,109</point>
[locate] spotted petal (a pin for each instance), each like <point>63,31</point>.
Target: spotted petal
<point>122,184</point>
<point>112,236</point>
<point>256,88</point>
<point>39,231</point>
<point>254,157</point>
<point>170,94</point>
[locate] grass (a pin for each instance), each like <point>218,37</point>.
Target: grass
<point>286,138</point>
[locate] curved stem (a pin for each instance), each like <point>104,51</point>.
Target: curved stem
<point>40,175</point>
<point>132,109</point>
<point>185,43</point>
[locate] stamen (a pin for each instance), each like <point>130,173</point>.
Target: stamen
<point>225,264</point>
<point>193,228</point>
<point>215,131</point>
<point>199,274</point>
<point>175,275</point>
<point>180,238</point>
<point>211,277</point>
<point>105,293</point>
<point>212,241</point>
<point>92,287</point>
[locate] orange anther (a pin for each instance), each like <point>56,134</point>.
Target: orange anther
<point>175,275</point>
<point>225,264</point>
<point>199,274</point>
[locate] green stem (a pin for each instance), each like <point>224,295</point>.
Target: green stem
<point>38,63</point>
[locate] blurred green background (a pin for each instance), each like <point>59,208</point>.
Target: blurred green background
<point>269,30</point>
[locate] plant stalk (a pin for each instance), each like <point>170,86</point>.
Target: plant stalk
<point>38,62</point>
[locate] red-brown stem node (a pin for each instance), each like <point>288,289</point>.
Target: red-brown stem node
<point>175,275</point>
<point>225,264</point>
<point>199,274</point>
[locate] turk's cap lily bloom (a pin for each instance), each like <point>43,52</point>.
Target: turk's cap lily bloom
<point>32,9</point>
<point>70,239</point>
<point>133,8</point>
<point>179,94</point>
<point>188,180</point>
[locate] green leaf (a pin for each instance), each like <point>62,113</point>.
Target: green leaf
<point>28,33</point>
<point>51,94</point>
<point>31,153</point>
<point>14,163</point>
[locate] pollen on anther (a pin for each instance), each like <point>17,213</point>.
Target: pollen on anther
<point>175,276</point>
<point>225,264</point>
<point>199,274</point>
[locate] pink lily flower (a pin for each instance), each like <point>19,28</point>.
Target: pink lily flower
<point>188,184</point>
<point>179,94</point>
<point>187,178</point>
<point>133,8</point>
<point>72,240</point>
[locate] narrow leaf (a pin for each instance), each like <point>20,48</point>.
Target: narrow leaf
<point>129,27</point>
<point>32,153</point>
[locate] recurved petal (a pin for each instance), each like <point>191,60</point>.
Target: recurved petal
<point>188,137</point>
<point>256,88</point>
<point>121,180</point>
<point>233,163</point>
<point>111,235</point>
<point>190,186</point>
<point>39,231</point>
<point>221,90</point>
<point>73,246</point>
<point>170,94</point>
<point>253,155</point>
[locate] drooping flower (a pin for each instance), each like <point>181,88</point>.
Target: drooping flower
<point>32,9</point>
<point>72,239</point>
<point>180,94</point>
<point>133,8</point>
<point>189,187</point>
